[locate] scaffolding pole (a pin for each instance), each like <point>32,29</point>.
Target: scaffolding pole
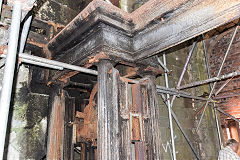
<point>8,75</point>
<point>169,112</point>
<point>180,128</point>
<point>220,89</point>
<point>60,64</point>
<point>214,79</point>
<point>162,65</point>
<point>183,95</point>
<point>220,69</point>
<point>35,60</point>
<point>210,86</point>
<point>24,34</point>
<point>184,70</point>
<point>227,96</point>
<point>2,62</point>
<point>227,114</point>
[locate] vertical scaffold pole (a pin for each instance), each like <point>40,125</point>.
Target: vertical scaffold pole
<point>169,111</point>
<point>8,75</point>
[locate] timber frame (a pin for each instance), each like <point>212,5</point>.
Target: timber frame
<point>103,31</point>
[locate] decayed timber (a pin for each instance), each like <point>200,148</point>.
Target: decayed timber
<point>154,27</point>
<point>185,21</point>
<point>59,145</point>
<point>56,129</point>
<point>108,129</point>
<point>154,136</point>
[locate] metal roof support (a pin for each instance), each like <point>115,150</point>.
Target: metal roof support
<point>220,69</point>
<point>8,75</point>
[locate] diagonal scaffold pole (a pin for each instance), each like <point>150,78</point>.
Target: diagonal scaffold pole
<point>210,86</point>
<point>162,65</point>
<point>219,71</point>
<point>227,114</point>
<point>184,70</point>
<point>181,129</point>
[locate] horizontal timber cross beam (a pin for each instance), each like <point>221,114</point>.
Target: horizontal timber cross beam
<point>134,37</point>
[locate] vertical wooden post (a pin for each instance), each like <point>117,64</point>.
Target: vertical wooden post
<point>155,136</point>
<point>60,130</point>
<point>108,106</point>
<point>56,129</point>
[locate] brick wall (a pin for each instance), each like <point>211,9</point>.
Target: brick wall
<point>216,53</point>
<point>231,105</point>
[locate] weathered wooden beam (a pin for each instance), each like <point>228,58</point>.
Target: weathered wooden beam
<point>187,20</point>
<point>133,37</point>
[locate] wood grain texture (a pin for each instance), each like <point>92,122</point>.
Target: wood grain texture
<point>108,116</point>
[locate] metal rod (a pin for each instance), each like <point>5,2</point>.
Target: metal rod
<point>184,70</point>
<point>218,127</point>
<point>220,89</point>
<point>41,64</point>
<point>227,114</point>
<point>1,2</point>
<point>24,34</point>
<point>169,111</point>
<point>219,71</point>
<point>8,75</point>
<point>210,86</point>
<point>214,79</point>
<point>61,64</point>
<point>172,89</point>
<point>2,62</point>
<point>162,65</point>
<point>227,96</point>
<point>80,84</point>
<point>186,64</point>
<point>181,129</point>
<point>37,63</point>
<point>159,91</point>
